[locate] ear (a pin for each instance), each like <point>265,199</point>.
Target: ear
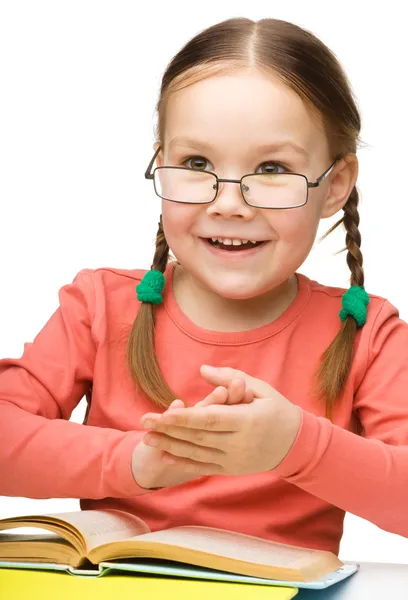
<point>342,180</point>
<point>159,157</point>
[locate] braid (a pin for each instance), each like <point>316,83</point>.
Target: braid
<point>337,358</point>
<point>161,255</point>
<point>141,353</point>
<point>351,222</point>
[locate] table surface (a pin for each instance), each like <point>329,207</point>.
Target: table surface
<point>373,581</point>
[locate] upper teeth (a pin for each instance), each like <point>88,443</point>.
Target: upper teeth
<point>228,242</point>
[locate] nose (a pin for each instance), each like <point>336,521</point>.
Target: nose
<point>229,202</point>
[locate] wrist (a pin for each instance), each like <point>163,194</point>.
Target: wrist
<point>289,425</point>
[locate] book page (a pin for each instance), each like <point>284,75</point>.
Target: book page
<point>102,526</point>
<point>236,546</point>
<point>24,532</point>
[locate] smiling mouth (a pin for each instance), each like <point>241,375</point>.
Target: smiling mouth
<point>232,247</point>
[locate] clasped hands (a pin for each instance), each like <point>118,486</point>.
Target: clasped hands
<point>244,426</point>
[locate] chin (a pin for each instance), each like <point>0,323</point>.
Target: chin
<point>234,287</point>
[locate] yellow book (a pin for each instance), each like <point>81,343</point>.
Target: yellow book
<point>17,584</point>
<point>89,541</point>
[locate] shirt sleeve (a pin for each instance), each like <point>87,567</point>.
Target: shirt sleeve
<point>42,453</point>
<point>366,475</point>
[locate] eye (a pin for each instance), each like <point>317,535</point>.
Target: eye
<point>196,160</point>
<point>270,170</point>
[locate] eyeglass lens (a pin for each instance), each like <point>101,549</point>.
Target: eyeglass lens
<point>269,190</point>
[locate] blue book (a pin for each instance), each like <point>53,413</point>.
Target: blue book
<point>170,569</point>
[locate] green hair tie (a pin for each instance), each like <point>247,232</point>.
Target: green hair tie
<point>354,303</point>
<point>151,287</point>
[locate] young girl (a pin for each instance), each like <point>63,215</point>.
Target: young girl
<point>225,388</point>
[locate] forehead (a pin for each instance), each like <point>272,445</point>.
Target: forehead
<point>241,108</point>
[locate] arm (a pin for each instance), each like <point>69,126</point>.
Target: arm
<point>42,453</point>
<point>367,476</point>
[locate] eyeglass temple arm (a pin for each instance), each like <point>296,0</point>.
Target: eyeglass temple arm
<point>324,176</point>
<point>149,175</point>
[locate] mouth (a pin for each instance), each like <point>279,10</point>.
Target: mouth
<point>234,253</point>
<point>233,247</point>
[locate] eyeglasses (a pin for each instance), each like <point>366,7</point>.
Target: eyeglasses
<point>263,190</point>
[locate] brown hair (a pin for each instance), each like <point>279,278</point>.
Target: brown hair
<point>307,66</point>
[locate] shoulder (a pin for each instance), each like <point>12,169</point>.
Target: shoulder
<point>329,298</point>
<point>383,329</point>
<point>384,332</point>
<point>113,275</point>
<point>101,291</point>
<point>104,280</point>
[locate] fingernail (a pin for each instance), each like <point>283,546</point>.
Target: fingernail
<point>151,441</point>
<point>148,424</point>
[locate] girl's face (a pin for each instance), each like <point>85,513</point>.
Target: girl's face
<point>228,119</point>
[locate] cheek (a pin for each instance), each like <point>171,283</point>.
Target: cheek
<point>178,221</point>
<point>297,226</point>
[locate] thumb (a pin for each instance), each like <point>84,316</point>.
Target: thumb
<point>224,375</point>
<point>176,404</point>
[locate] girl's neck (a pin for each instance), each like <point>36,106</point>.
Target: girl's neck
<point>208,310</point>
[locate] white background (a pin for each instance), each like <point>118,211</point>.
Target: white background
<point>79,82</point>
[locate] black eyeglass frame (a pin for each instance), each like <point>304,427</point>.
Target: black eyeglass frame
<point>319,180</point>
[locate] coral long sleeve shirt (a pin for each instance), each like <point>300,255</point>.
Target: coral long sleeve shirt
<point>357,463</point>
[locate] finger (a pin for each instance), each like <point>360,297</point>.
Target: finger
<point>176,404</point>
<point>219,375</point>
<point>234,394</point>
<point>217,396</point>
<point>198,468</point>
<point>148,420</point>
<point>199,437</point>
<point>224,376</point>
<point>236,391</point>
<point>248,397</point>
<point>183,449</point>
<point>212,418</point>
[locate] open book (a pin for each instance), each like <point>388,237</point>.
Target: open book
<point>92,537</point>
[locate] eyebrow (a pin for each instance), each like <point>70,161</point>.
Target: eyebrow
<point>268,147</point>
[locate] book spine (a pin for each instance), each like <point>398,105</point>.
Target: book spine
<point>85,572</point>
